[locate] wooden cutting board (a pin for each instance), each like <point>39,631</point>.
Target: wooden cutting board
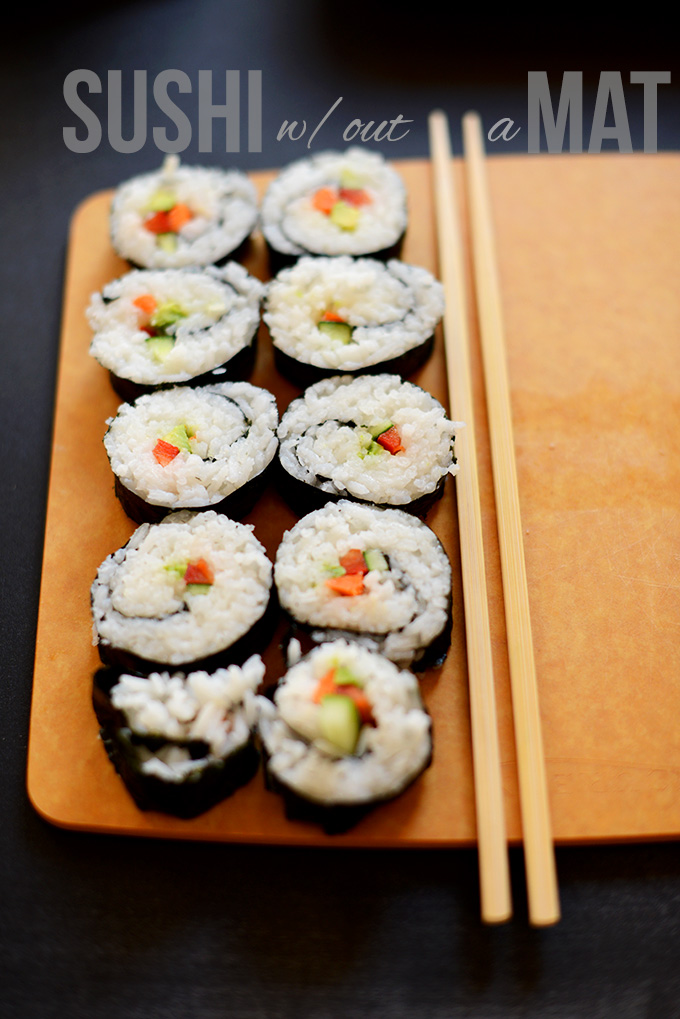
<point>589,248</point>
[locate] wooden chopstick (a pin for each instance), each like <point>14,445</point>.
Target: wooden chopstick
<point>544,906</point>
<point>494,875</point>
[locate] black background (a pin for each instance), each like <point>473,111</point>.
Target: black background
<point>117,927</point>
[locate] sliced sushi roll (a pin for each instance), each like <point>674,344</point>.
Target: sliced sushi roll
<point>331,315</point>
<point>184,448</point>
<point>374,438</point>
<point>154,329</point>
<point>194,591</point>
<point>181,742</point>
<point>376,576</point>
<point>345,732</point>
<point>182,215</point>
<point>335,203</point>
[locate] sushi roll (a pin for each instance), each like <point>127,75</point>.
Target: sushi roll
<point>376,576</point>
<point>194,591</point>
<point>154,329</point>
<point>335,315</point>
<point>335,203</point>
<point>373,438</point>
<point>182,215</point>
<point>181,742</point>
<point>346,730</point>
<point>184,448</point>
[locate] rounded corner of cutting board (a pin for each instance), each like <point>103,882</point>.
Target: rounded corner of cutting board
<point>91,203</point>
<point>42,804</point>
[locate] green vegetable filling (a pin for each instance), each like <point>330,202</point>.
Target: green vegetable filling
<point>162,201</point>
<point>339,722</point>
<point>179,436</point>
<point>345,216</point>
<point>341,332</point>
<point>166,242</point>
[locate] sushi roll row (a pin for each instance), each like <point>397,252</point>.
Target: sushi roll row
<point>193,596</point>
<point>344,731</point>
<point>196,589</point>
<point>334,203</point>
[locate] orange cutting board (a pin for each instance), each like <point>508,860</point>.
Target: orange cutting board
<point>588,249</point>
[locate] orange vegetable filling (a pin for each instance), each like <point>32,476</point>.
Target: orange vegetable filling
<point>324,199</point>
<point>146,303</point>
<point>165,452</point>
<point>178,216</point>
<point>330,316</point>
<point>170,222</point>
<point>349,584</point>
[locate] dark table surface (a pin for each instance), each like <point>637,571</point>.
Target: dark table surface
<point>115,927</point>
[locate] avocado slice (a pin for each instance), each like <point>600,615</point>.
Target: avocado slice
<point>160,347</point>
<point>375,560</point>
<point>179,436</point>
<point>351,180</point>
<point>340,331</point>
<point>335,570</point>
<point>345,677</point>
<point>162,201</point>
<point>343,215</point>
<point>166,242</point>
<point>339,722</point>
<point>379,427</point>
<point>166,315</point>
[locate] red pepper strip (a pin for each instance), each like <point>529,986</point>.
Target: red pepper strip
<point>361,700</point>
<point>179,215</point>
<point>199,573</point>
<point>390,440</point>
<point>165,452</point>
<point>158,223</point>
<point>325,686</point>
<point>330,316</point>
<point>355,196</point>
<point>354,562</point>
<point>146,303</point>
<point>324,199</point>
<point>349,584</point>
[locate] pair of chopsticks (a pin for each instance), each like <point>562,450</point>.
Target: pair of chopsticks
<point>496,905</point>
